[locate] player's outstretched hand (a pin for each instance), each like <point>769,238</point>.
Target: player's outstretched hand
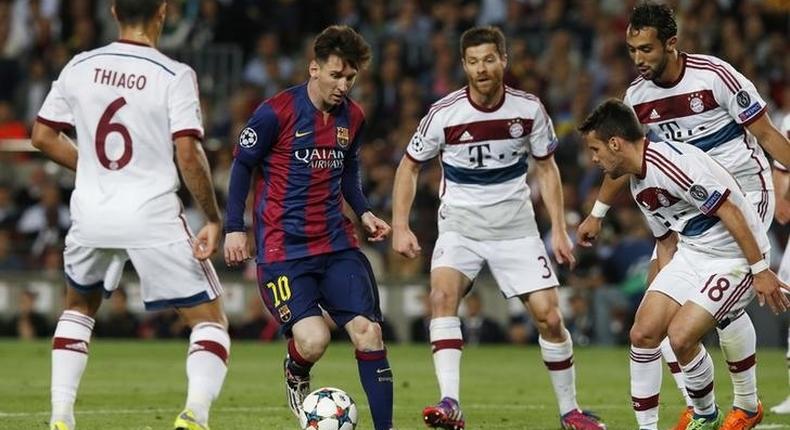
<point>405,243</point>
<point>206,242</point>
<point>770,290</point>
<point>236,251</point>
<point>588,231</point>
<point>563,248</point>
<point>376,228</point>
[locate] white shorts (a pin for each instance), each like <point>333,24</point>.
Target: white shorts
<point>170,276</point>
<point>722,286</point>
<point>519,266</point>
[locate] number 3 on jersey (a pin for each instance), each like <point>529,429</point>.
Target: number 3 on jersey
<point>104,129</point>
<point>281,291</point>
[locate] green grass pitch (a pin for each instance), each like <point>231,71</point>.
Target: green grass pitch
<point>141,386</point>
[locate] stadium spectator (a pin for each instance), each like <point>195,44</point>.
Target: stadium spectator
<point>257,323</point>
<point>28,323</point>
<point>476,326</point>
<point>119,322</point>
<point>46,222</point>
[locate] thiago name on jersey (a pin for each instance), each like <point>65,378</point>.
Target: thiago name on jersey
<point>321,158</point>
<point>119,79</point>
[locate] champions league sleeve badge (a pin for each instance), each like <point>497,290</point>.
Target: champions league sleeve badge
<point>248,138</point>
<point>743,99</point>
<point>698,192</point>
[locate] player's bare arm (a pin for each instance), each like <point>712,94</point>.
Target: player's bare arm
<point>551,191</point>
<point>771,139</point>
<point>404,242</point>
<point>55,145</point>
<point>782,191</point>
<point>589,229</point>
<point>195,170</point>
<point>766,284</point>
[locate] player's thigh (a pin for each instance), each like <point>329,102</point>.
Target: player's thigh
<point>289,289</point>
<point>459,253</point>
<point>543,305</point>
<point>348,288</point>
<point>171,276</point>
<point>690,324</point>
<point>521,266</point>
<point>89,269</point>
<point>211,312</point>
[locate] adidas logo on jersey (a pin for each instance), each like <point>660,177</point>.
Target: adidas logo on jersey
<point>654,114</point>
<point>466,136</point>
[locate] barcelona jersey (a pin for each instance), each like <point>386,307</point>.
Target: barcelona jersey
<point>308,164</point>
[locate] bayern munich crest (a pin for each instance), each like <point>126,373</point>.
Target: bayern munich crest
<point>248,138</point>
<point>696,104</point>
<point>516,129</point>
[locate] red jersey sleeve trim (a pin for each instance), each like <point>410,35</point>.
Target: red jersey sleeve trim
<point>757,116</point>
<point>188,132</point>
<point>59,126</point>
<point>545,157</point>
<point>721,201</point>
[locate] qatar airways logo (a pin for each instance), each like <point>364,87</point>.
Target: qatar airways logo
<point>321,158</point>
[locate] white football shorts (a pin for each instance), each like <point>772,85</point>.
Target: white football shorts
<point>519,266</point>
<point>170,276</point>
<point>722,286</point>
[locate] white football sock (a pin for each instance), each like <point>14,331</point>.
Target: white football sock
<point>209,348</point>
<point>447,343</point>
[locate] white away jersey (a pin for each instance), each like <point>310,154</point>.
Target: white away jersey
<point>681,188</point>
<point>484,161</point>
<point>127,102</point>
<point>708,107</point>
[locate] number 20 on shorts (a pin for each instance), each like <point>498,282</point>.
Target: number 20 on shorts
<point>281,291</point>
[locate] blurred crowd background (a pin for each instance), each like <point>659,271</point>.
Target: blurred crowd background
<point>570,53</point>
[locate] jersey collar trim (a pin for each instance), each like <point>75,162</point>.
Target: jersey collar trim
<point>483,108</point>
<point>133,42</point>
<point>680,77</point>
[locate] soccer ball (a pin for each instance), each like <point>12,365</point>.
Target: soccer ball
<point>328,409</point>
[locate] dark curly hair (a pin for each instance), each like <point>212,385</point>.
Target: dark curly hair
<point>343,41</point>
<point>657,15</point>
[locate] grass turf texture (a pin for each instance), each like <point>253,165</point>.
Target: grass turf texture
<point>141,385</point>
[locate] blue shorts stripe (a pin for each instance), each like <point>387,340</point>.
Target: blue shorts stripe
<point>85,289</point>
<point>184,302</point>
<point>726,134</point>
<point>461,175</point>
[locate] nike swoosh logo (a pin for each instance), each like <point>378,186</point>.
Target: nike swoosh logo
<point>302,133</point>
<point>380,371</point>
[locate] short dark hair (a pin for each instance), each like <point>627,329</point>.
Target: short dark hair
<point>613,118</point>
<point>136,11</point>
<point>657,15</point>
<point>343,41</point>
<point>481,35</point>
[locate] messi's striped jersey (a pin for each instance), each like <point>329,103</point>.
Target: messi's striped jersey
<point>307,160</point>
<point>709,107</point>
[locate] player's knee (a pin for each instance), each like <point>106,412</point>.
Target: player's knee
<point>312,346</point>
<point>681,341</point>
<point>642,337</point>
<point>443,300</point>
<point>366,335</point>
<point>549,323</point>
